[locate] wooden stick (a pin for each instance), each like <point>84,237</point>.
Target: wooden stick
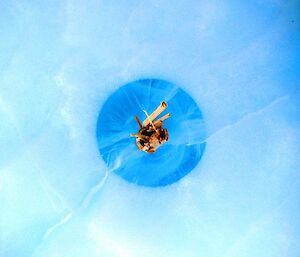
<point>167,116</point>
<point>138,121</point>
<point>150,121</point>
<point>159,123</point>
<point>158,111</point>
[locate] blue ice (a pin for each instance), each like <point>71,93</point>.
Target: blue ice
<point>59,63</point>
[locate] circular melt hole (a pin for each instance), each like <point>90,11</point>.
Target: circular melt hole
<point>172,160</point>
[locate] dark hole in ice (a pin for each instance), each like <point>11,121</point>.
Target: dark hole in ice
<point>174,159</point>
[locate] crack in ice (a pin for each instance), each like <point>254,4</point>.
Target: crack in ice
<point>246,116</point>
<point>64,220</point>
<point>94,190</point>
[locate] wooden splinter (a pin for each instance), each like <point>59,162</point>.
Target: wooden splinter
<point>138,121</point>
<point>152,134</point>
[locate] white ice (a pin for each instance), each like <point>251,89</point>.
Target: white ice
<point>59,62</point>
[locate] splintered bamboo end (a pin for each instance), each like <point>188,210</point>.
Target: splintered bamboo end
<point>155,113</point>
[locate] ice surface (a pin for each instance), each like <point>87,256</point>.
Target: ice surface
<point>60,61</point>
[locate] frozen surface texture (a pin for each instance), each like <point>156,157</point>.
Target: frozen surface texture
<point>61,60</point>
<point>171,161</point>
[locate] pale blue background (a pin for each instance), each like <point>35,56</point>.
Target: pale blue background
<point>59,61</point>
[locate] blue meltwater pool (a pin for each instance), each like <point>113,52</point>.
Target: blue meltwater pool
<point>170,162</point>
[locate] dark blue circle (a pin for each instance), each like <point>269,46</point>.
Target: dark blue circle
<point>174,159</point>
